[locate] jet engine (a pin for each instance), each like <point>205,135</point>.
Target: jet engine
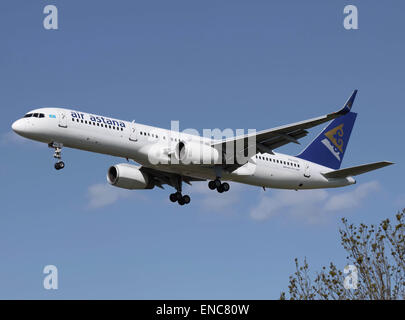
<point>128,177</point>
<point>195,153</point>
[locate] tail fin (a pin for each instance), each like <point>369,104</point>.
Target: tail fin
<point>329,146</point>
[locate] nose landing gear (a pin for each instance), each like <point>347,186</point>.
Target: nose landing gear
<point>59,165</point>
<point>57,155</point>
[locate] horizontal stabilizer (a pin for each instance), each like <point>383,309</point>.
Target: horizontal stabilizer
<point>354,171</point>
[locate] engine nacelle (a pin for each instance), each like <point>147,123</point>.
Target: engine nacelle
<point>128,177</point>
<point>195,153</point>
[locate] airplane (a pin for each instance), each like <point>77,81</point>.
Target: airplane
<point>167,157</point>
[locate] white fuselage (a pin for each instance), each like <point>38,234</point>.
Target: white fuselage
<point>136,141</point>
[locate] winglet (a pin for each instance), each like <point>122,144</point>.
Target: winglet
<point>348,105</point>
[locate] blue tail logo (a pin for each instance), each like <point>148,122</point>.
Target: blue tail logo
<point>329,147</point>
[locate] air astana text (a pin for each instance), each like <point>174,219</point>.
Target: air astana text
<point>98,119</point>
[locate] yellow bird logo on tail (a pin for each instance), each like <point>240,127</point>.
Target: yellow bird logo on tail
<point>335,136</point>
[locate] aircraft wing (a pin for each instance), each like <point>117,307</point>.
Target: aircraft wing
<point>268,140</point>
<point>160,177</point>
<point>355,171</point>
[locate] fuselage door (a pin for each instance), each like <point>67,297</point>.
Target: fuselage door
<point>307,171</point>
<point>62,119</point>
<point>134,133</point>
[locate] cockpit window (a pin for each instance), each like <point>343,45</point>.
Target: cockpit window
<point>39,115</point>
<point>35,115</point>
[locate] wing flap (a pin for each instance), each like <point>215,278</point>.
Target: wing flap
<point>354,171</point>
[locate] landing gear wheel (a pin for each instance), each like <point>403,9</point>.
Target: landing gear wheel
<point>181,201</point>
<point>57,155</point>
<point>178,195</point>
<point>220,189</point>
<point>186,199</point>
<point>217,183</point>
<point>225,186</point>
<point>59,165</point>
<point>212,185</point>
<point>173,197</point>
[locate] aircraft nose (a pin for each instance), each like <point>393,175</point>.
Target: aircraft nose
<point>18,126</point>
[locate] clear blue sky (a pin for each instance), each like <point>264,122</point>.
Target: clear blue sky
<point>209,64</point>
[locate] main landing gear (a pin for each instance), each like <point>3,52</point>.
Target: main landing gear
<point>178,197</point>
<point>216,184</point>
<point>57,155</point>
